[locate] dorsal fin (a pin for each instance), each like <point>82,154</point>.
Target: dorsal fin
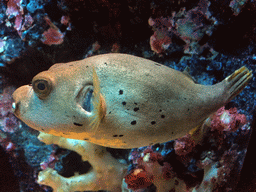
<point>99,104</point>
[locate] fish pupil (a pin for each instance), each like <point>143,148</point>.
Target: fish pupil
<point>41,86</point>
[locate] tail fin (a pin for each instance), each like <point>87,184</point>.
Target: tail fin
<point>237,81</point>
<point>99,105</point>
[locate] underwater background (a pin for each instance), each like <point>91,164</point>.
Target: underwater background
<point>211,37</point>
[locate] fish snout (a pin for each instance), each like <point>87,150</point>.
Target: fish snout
<point>19,96</point>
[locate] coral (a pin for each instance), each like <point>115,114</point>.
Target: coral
<point>50,162</point>
<point>217,173</point>
<point>205,165</point>
<point>115,48</point>
<point>210,176</point>
<point>160,40</point>
<point>22,22</point>
<point>8,122</point>
<point>150,169</point>
<point>184,145</point>
<point>190,26</point>
<point>227,120</point>
<point>106,173</point>
<point>53,35</point>
<point>6,142</point>
<point>95,47</point>
<point>14,8</point>
<point>237,5</point>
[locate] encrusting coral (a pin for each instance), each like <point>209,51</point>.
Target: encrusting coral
<point>102,175</point>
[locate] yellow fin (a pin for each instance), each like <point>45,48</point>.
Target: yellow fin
<point>237,81</point>
<point>197,132</point>
<point>99,104</point>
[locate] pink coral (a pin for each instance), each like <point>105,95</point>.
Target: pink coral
<point>8,120</point>
<point>184,145</point>
<point>6,143</point>
<point>227,120</point>
<point>65,20</point>
<point>159,44</point>
<point>50,162</point>
<point>138,179</point>
<point>53,36</point>
<point>160,40</point>
<point>191,26</point>
<point>28,21</point>
<point>14,8</point>
<point>149,171</point>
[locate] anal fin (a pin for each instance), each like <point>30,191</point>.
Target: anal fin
<point>197,132</point>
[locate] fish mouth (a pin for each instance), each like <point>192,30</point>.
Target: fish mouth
<point>19,97</point>
<point>84,98</point>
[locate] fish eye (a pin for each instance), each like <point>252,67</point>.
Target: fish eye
<point>42,88</point>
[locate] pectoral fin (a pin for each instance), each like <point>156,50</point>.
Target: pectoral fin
<point>99,104</point>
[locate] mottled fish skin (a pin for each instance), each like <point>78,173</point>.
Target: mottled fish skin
<point>141,102</point>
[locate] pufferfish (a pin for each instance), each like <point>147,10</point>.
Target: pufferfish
<point>121,101</point>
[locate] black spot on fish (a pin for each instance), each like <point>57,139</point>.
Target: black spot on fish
<point>109,112</point>
<point>185,98</point>
<point>105,63</point>
<point>42,129</point>
<point>78,124</point>
<point>133,122</point>
<point>121,92</point>
<point>135,103</point>
<point>124,103</point>
<point>136,109</point>
<point>153,122</point>
<point>115,135</point>
<point>160,110</point>
<point>121,135</point>
<point>172,132</point>
<point>86,139</point>
<point>162,116</point>
<point>188,109</point>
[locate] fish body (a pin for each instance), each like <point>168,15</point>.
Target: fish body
<point>121,101</point>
